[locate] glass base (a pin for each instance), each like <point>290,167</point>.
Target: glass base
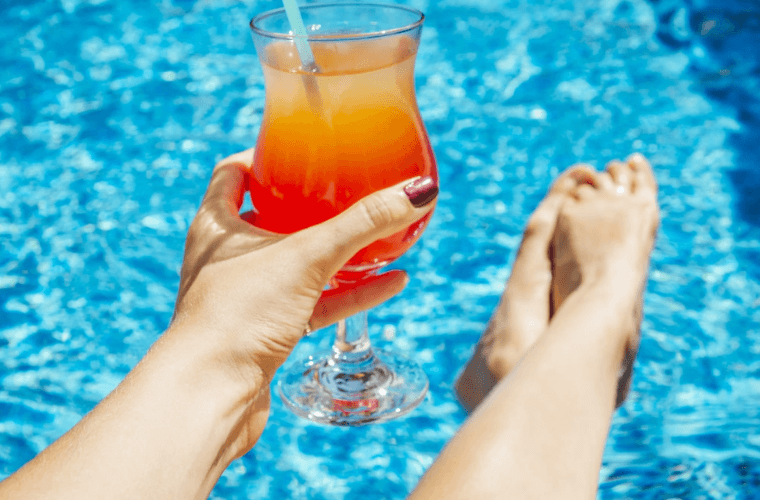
<point>340,390</point>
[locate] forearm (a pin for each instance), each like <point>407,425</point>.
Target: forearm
<point>541,431</point>
<point>162,433</point>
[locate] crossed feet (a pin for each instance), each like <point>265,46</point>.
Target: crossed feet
<point>589,225</point>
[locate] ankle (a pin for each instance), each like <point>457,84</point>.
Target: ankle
<point>611,302</point>
<point>475,381</point>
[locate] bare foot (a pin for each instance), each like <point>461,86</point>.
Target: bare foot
<point>607,228</point>
<point>524,310</point>
<point>589,225</point>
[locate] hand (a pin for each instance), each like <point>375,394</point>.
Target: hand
<point>248,294</point>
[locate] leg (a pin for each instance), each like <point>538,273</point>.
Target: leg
<point>632,185</point>
<point>540,432</point>
<point>524,310</point>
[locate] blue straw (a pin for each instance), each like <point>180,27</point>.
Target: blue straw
<point>301,38</point>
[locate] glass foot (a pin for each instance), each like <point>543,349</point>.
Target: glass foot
<point>341,390</point>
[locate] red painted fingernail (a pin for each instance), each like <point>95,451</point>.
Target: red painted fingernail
<point>421,191</point>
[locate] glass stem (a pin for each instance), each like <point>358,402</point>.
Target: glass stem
<point>352,339</point>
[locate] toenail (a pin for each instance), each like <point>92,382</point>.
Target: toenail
<point>620,190</point>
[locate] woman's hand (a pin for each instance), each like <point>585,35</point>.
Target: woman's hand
<point>249,294</point>
<point>200,397</point>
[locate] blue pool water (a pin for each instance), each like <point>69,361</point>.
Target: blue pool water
<point>112,115</point>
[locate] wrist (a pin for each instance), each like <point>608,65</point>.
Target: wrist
<point>231,396</point>
<point>250,346</point>
<point>168,430</point>
<point>208,349</point>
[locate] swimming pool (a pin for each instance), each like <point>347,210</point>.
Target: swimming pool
<point>112,115</point>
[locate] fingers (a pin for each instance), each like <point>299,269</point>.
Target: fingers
<point>227,186</point>
<point>218,232</point>
<point>337,304</point>
<point>250,217</point>
<point>219,211</point>
<point>381,214</point>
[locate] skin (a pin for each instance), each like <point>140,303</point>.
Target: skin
<point>542,383</point>
<point>200,397</point>
<point>544,380</point>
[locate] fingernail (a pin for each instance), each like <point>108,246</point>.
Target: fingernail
<point>421,191</point>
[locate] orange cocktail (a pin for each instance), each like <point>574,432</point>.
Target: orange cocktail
<point>340,122</point>
<point>331,138</point>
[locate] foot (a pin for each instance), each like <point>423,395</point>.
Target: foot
<point>606,230</point>
<point>524,310</point>
<point>589,225</point>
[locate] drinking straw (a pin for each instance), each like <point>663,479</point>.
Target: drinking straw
<point>301,38</point>
<point>304,53</point>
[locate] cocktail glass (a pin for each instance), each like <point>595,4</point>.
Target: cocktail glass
<point>334,131</point>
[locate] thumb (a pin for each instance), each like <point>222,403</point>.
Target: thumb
<point>376,216</point>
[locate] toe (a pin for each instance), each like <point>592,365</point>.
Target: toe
<point>643,176</point>
<point>578,180</point>
<point>605,182</point>
<point>570,178</point>
<point>584,192</point>
<point>582,174</point>
<point>622,176</point>
<point>540,227</point>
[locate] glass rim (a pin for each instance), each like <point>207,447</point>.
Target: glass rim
<point>337,36</point>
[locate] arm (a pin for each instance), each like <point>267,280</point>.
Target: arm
<point>163,433</point>
<point>200,397</point>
